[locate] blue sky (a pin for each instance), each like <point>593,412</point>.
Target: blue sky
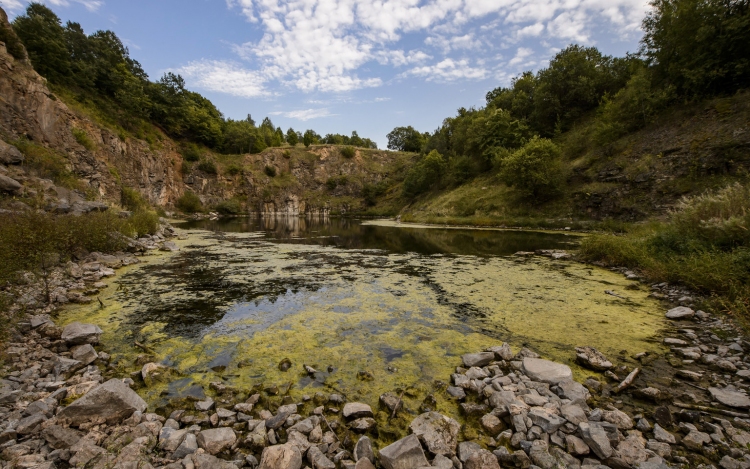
<point>342,65</point>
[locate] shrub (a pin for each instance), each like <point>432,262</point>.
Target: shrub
<point>348,152</point>
<point>83,139</point>
<point>191,153</point>
<point>185,168</point>
<point>270,171</point>
<point>424,175</point>
<point>132,200</point>
<point>229,207</point>
<point>208,167</point>
<point>370,192</point>
<point>333,182</point>
<point>189,203</point>
<point>234,169</point>
<point>535,169</point>
<point>286,154</point>
<point>143,222</point>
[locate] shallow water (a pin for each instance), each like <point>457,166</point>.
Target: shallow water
<point>400,303</point>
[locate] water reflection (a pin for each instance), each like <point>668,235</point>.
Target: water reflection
<point>352,234</point>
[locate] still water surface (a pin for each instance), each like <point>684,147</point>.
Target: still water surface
<point>373,306</point>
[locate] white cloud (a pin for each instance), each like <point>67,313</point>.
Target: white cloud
<point>325,45</point>
<point>225,77</point>
<point>449,70</point>
<point>304,114</point>
<point>521,55</point>
<point>17,6</point>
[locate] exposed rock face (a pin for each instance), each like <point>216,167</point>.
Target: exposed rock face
<point>110,402</point>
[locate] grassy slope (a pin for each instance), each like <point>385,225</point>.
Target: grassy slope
<point>688,150</point>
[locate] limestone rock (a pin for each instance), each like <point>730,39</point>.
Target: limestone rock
<point>363,449</point>
<point>110,402</point>
<point>355,410</point>
<point>281,457</point>
<point>596,438</point>
<point>438,432</point>
<point>482,460</point>
<point>61,438</point>
<point>216,440</point>
<point>592,358</point>
<point>9,184</point>
<point>680,312</point>
<point>546,371</point>
<point>662,435</point>
<point>206,461</point>
<point>84,354</point>
<point>730,398</point>
<point>405,453</point>
<point>79,334</point>
<point>10,154</point>
<point>478,359</point>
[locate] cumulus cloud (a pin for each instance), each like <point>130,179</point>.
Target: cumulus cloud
<point>304,114</point>
<point>225,77</point>
<point>449,70</point>
<point>16,6</point>
<point>325,45</point>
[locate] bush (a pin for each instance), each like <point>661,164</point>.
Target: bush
<point>534,170</point>
<point>191,153</point>
<point>30,239</point>
<point>83,139</point>
<point>229,207</point>
<point>370,192</point>
<point>208,167</point>
<point>185,168</point>
<point>143,222</point>
<point>348,152</point>
<point>424,175</point>
<point>234,169</point>
<point>286,154</point>
<point>131,199</point>
<point>333,182</point>
<point>189,203</point>
<point>270,171</point>
<point>704,245</point>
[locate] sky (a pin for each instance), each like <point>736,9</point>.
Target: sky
<point>341,65</point>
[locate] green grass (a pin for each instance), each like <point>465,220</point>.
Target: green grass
<point>704,245</point>
<point>83,139</point>
<point>46,163</point>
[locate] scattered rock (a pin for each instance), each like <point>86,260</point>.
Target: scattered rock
<point>680,312</point>
<point>438,432</point>
<point>405,453</point>
<point>110,402</point>
<point>546,371</point>
<point>79,334</point>
<point>592,358</point>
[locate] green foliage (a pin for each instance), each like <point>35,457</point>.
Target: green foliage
<point>189,202</point>
<point>292,137</point>
<point>35,240</point>
<point>185,168</point>
<point>348,152</point>
<point>631,108</point>
<point>423,176</point>
<point>46,163</point>
<point>371,192</point>
<point>131,199</point>
<point>355,140</point>
<point>234,169</point>
<point>270,171</point>
<point>534,170</point>
<point>704,245</point>
<point>83,139</point>
<point>142,222</point>
<point>43,35</point>
<point>333,182</point>
<point>229,207</point>
<point>406,139</point>
<point>13,44</point>
<point>208,167</point>
<point>191,153</point>
<point>310,138</point>
<point>699,46</point>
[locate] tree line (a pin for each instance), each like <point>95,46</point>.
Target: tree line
<point>97,69</point>
<point>691,49</point>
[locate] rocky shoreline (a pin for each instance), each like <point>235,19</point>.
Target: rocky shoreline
<point>62,405</point>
